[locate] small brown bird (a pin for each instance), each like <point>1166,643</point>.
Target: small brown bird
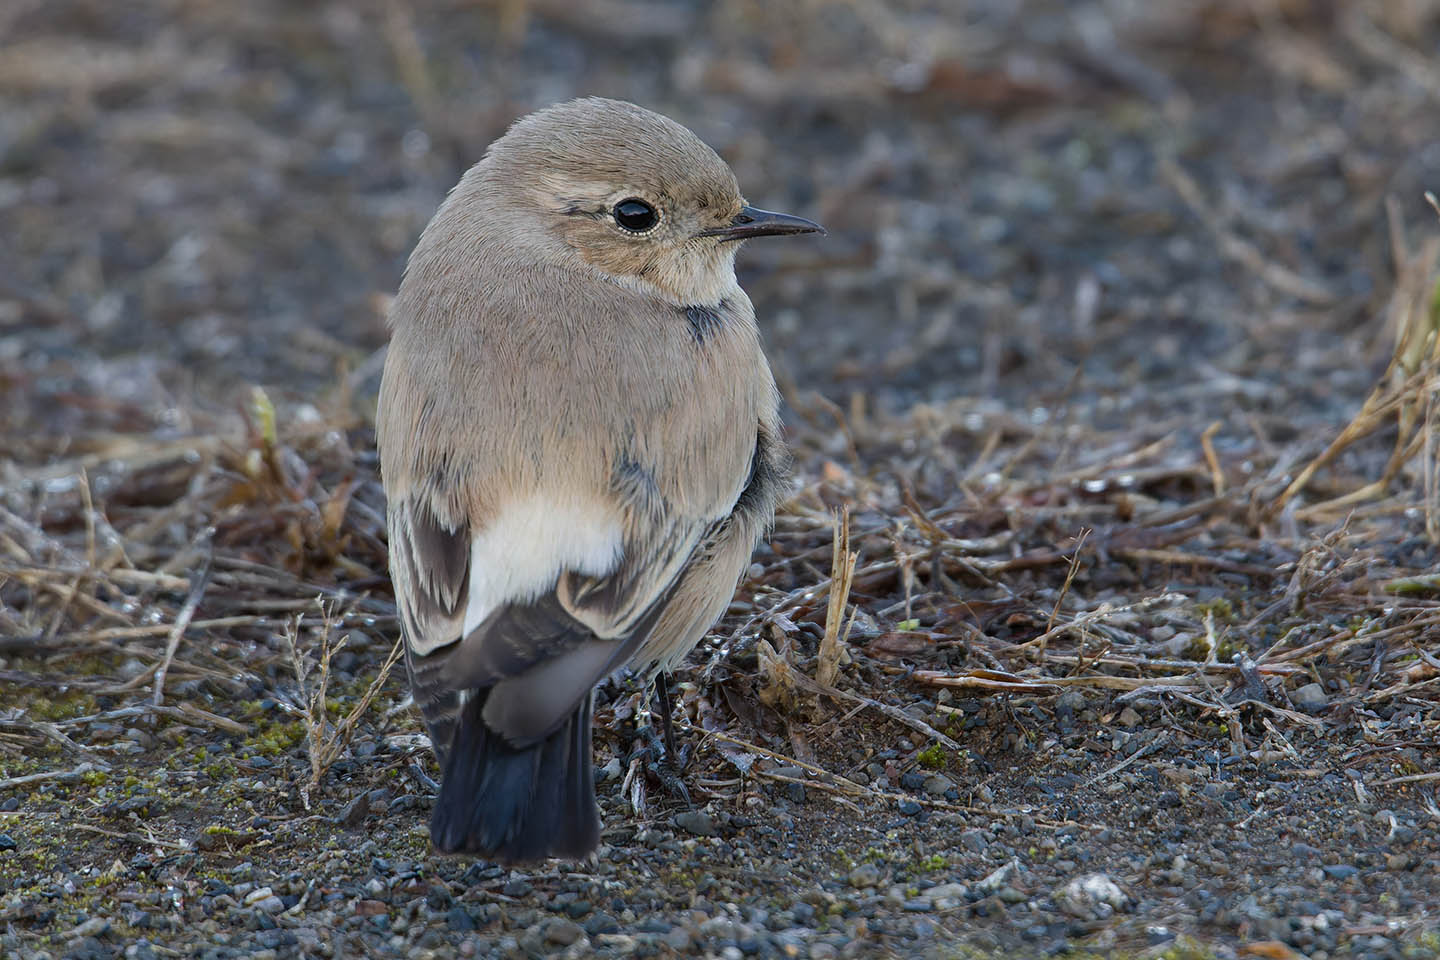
<point>580,444</point>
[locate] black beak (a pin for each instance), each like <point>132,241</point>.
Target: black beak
<point>752,222</point>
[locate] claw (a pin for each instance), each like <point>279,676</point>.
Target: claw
<point>663,761</point>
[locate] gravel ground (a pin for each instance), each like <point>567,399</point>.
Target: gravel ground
<point>1065,239</point>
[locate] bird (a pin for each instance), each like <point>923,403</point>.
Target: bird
<point>580,446</point>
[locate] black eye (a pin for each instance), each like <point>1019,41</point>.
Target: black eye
<point>635,214</point>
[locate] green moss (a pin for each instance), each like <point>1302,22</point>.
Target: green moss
<point>1220,608</point>
<point>932,757</point>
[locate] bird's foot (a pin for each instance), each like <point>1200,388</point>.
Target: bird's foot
<point>660,764</point>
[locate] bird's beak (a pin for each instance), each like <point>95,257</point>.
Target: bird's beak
<point>753,222</point>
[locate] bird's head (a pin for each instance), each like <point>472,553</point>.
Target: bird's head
<point>625,192</point>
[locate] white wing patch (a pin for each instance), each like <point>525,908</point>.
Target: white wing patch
<point>518,557</point>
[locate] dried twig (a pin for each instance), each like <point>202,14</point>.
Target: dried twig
<point>325,742</point>
<point>842,573</point>
<point>182,620</point>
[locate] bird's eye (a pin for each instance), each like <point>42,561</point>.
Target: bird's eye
<point>635,215</point>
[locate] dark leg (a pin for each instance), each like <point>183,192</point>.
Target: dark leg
<point>667,768</point>
<point>662,697</point>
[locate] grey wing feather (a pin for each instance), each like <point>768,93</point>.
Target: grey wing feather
<point>538,658</point>
<point>430,569</point>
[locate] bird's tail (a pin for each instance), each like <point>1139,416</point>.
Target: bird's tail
<point>517,804</point>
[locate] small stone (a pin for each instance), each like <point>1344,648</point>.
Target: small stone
<point>1340,871</point>
<point>355,811</point>
<point>865,875</point>
<point>1091,897</point>
<point>910,808</point>
<point>947,891</point>
<point>516,888</point>
<point>998,878</point>
<point>256,895</point>
<point>619,943</point>
<point>974,839</point>
<point>459,919</point>
<point>918,905</point>
<point>1311,698</point>
<point>371,908</point>
<point>7,842</point>
<point>821,950</point>
<point>1128,717</point>
<point>564,932</point>
<point>94,927</point>
<point>678,939</point>
<point>697,822</point>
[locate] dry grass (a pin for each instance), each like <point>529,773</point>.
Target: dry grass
<point>325,740</point>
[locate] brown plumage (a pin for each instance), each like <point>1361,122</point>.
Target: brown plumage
<point>579,441</point>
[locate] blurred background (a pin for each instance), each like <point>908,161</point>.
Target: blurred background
<point>1136,210</point>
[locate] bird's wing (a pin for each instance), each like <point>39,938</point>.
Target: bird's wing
<point>535,609</point>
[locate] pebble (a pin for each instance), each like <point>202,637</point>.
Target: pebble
<point>354,812</point>
<point>1311,698</point>
<point>564,932</point>
<point>865,875</point>
<point>937,785</point>
<point>1091,897</point>
<point>998,878</point>
<point>947,891</point>
<point>93,927</point>
<point>697,822</point>
<point>270,905</point>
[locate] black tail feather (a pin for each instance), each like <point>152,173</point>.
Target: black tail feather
<point>515,805</point>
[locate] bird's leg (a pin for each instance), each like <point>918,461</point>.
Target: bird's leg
<point>670,761</point>
<point>662,700</point>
